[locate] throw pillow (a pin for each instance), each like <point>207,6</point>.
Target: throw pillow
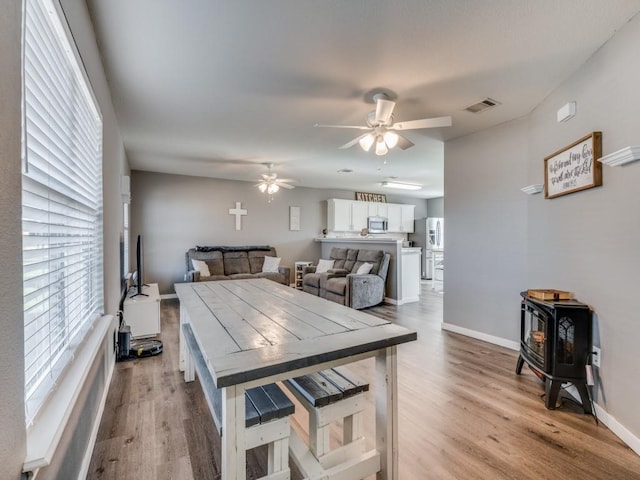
<point>270,264</point>
<point>365,268</point>
<point>201,267</point>
<point>324,265</point>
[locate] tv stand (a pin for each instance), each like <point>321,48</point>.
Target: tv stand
<point>142,312</point>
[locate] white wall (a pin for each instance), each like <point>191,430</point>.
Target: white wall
<point>586,242</point>
<point>176,212</point>
<point>67,459</point>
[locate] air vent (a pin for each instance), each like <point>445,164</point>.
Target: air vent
<point>485,104</point>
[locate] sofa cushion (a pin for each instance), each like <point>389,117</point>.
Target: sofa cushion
<point>270,264</point>
<point>240,276</point>
<point>214,278</point>
<point>340,256</point>
<point>368,256</point>
<point>256,258</point>
<point>236,262</point>
<point>364,268</point>
<point>201,267</point>
<point>337,285</point>
<point>312,279</point>
<point>324,265</point>
<point>275,276</point>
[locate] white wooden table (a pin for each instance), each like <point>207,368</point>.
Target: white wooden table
<point>254,332</point>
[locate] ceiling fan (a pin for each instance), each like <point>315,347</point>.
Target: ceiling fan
<point>382,129</point>
<point>270,183</point>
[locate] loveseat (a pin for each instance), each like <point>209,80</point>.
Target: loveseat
<point>343,284</point>
<point>232,263</point>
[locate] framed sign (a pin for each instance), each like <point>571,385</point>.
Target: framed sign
<point>294,218</point>
<point>371,197</point>
<point>574,168</point>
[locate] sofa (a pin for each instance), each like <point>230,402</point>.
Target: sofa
<point>343,284</point>
<point>232,263</point>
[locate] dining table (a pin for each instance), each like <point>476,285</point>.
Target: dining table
<point>253,332</point>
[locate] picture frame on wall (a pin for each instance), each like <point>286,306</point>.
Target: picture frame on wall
<point>574,167</point>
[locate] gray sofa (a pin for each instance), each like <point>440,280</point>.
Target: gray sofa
<point>343,285</point>
<point>232,263</point>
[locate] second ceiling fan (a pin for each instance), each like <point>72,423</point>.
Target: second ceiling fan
<point>382,131</point>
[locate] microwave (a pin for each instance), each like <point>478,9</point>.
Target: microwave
<point>377,224</point>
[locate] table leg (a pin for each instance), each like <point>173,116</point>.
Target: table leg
<point>234,455</point>
<point>184,318</point>
<point>386,389</point>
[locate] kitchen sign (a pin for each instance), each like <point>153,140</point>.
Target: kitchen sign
<point>371,197</point>
<point>574,168</point>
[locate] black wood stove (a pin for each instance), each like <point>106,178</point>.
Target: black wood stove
<point>555,341</point>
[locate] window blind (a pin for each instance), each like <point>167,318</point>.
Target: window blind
<point>61,201</point>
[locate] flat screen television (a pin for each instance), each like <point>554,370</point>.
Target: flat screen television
<point>138,276</point>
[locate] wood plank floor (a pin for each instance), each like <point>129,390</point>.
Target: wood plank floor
<point>463,414</point>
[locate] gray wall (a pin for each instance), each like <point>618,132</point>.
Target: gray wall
<point>74,439</point>
<point>12,440</point>
<point>586,242</point>
<point>176,212</point>
<point>435,207</point>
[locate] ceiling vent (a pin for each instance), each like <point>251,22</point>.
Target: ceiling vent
<point>485,104</point>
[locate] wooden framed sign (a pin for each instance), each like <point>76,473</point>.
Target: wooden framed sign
<point>574,168</point>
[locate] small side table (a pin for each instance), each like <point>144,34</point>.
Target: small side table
<point>300,266</point>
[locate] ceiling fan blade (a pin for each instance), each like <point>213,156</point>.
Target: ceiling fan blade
<point>358,127</point>
<point>286,180</point>
<point>404,143</point>
<point>422,123</point>
<point>286,185</point>
<point>384,110</point>
<point>351,143</point>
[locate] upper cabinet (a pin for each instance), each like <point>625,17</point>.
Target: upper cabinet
<point>352,215</point>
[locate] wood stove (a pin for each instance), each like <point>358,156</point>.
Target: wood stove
<point>555,341</point>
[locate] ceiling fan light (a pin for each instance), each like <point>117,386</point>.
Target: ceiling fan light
<point>391,139</point>
<point>273,188</point>
<point>381,146</point>
<point>366,142</point>
<point>262,187</point>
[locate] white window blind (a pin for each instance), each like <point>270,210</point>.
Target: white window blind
<point>61,201</point>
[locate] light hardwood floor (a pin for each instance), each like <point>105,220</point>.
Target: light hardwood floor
<point>463,414</point>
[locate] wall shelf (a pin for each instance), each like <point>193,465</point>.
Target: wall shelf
<point>621,157</point>
<point>532,189</point>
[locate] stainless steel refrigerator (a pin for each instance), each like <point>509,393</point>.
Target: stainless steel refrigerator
<point>429,235</point>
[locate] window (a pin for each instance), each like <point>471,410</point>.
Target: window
<point>61,201</point>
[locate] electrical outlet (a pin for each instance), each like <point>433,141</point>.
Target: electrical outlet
<point>596,357</point>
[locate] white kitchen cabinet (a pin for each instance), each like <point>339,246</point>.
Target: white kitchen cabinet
<point>394,217</point>
<point>142,312</point>
<point>359,215</point>
<point>407,218</point>
<point>339,215</point>
<point>352,215</point>
<point>377,209</point>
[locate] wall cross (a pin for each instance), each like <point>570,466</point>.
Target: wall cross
<point>238,212</point>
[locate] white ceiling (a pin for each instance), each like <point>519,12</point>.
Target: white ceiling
<point>217,87</point>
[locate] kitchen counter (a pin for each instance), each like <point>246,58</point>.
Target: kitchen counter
<point>369,239</point>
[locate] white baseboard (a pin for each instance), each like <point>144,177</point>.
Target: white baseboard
<point>612,424</point>
<point>168,296</point>
<point>393,301</point>
<point>485,337</point>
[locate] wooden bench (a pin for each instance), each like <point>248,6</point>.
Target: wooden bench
<point>267,410</point>
<point>329,396</point>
